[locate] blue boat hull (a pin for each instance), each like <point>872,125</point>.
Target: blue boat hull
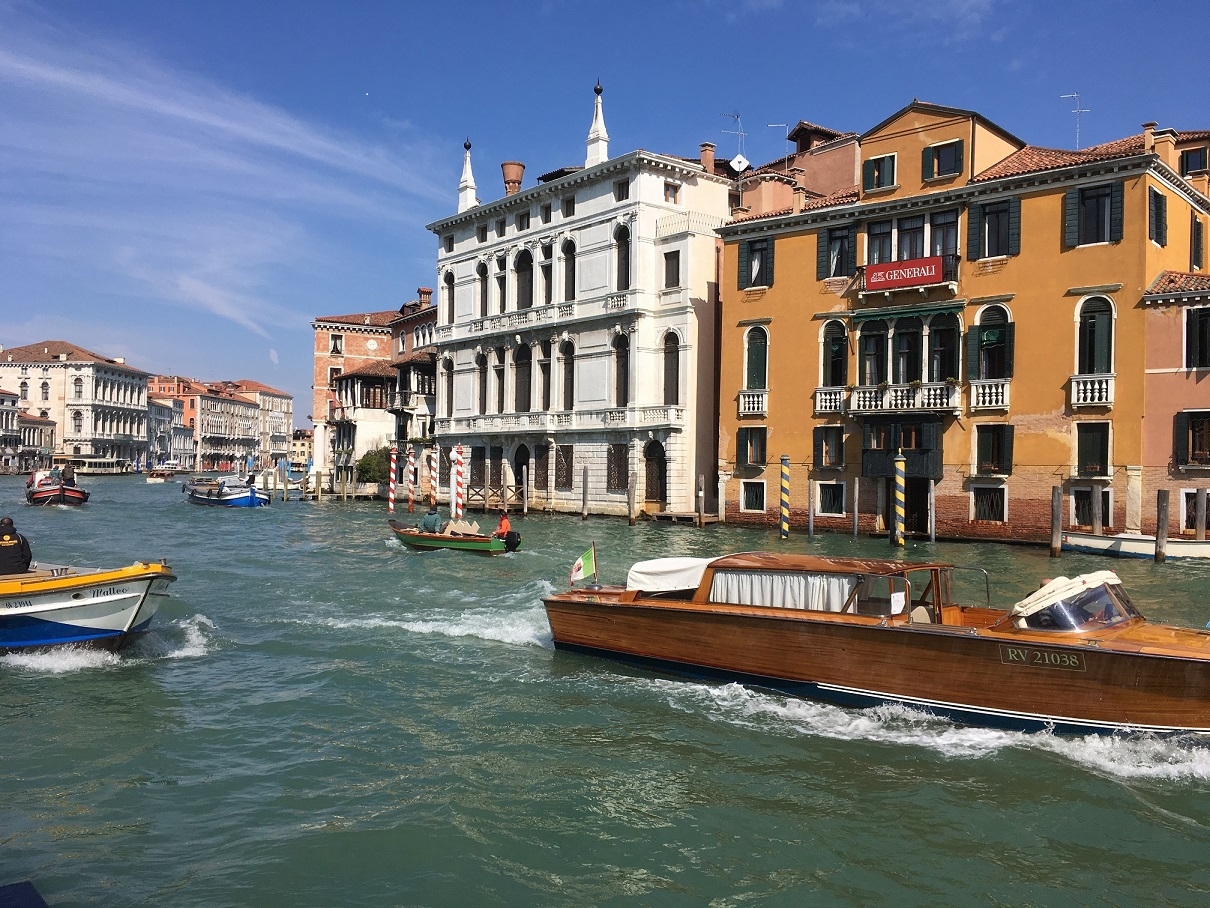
<point>229,498</point>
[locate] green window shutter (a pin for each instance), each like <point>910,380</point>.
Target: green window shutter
<point>926,163</point>
<point>867,175</point>
<point>1014,226</point>
<point>1010,333</point>
<point>742,270</point>
<point>983,447</point>
<point>821,256</point>
<point>1115,212</point>
<point>896,438</point>
<point>961,155</point>
<point>1071,218</point>
<point>1101,330</point>
<point>890,162</point>
<point>929,432</point>
<point>851,262</point>
<point>741,448</point>
<point>768,281</point>
<point>867,438</point>
<point>1180,439</point>
<point>1162,226</point>
<point>1195,242</point>
<point>1193,353</point>
<point>974,233</point>
<point>1152,216</point>
<point>1006,450</point>
<point>817,446</point>
<point>972,353</point>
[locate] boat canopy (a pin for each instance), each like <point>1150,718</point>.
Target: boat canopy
<point>1062,588</point>
<point>661,575</point>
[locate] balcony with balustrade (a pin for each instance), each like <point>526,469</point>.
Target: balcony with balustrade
<point>1092,390</point>
<point>753,403</point>
<point>831,400</point>
<point>989,393</point>
<point>935,397</point>
<point>624,418</point>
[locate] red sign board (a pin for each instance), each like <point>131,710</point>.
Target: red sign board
<point>912,273</point>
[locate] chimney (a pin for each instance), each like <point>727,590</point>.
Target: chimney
<point>425,295</point>
<point>800,196</point>
<point>708,157</point>
<point>366,319</point>
<point>1149,137</point>
<point>513,172</point>
<point>1165,146</point>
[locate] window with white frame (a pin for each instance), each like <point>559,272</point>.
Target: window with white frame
<point>672,193</point>
<point>752,495</point>
<point>830,499</point>
<point>989,503</point>
<point>336,345</point>
<point>1081,506</point>
<point>878,173</point>
<point>829,447</point>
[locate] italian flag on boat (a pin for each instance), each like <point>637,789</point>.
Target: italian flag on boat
<point>586,564</point>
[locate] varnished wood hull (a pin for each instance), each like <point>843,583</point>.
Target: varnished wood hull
<point>974,676</point>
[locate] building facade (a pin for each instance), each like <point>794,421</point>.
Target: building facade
<point>276,419</point>
<point>302,450</point>
<point>414,401</point>
<point>37,441</point>
<point>99,403</point>
<point>10,432</point>
<point>975,303</point>
<point>575,330</point>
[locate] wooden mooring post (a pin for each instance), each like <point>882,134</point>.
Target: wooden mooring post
<point>1056,521</point>
<point>584,502</point>
<point>631,491</point>
<point>525,490</point>
<point>1161,526</point>
<point>1200,516</point>
<point>856,499</point>
<point>701,502</point>
<point>810,508</point>
<point>1097,502</point>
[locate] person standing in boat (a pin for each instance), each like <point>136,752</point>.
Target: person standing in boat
<point>504,527</point>
<point>431,522</point>
<point>69,475</point>
<point>15,554</point>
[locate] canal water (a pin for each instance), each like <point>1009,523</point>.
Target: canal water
<point>321,717</point>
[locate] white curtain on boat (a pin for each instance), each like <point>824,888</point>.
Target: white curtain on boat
<point>814,592</point>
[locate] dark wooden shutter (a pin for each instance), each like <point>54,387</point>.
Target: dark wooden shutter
<point>1180,439</point>
<point>1006,450</point>
<point>1195,242</point>
<point>972,353</point>
<point>1010,334</point>
<point>741,448</point>
<point>974,233</point>
<point>768,281</point>
<point>867,175</point>
<point>821,256</point>
<point>926,163</point>
<point>1071,218</point>
<point>867,437</point>
<point>1014,226</point>
<point>1115,211</point>
<point>1101,331</point>
<point>983,448</point>
<point>742,269</point>
<point>1162,226</point>
<point>1152,214</point>
<point>817,446</point>
<point>851,257</point>
<point>960,155</point>
<point>1193,353</point>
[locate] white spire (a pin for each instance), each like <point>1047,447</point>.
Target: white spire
<point>466,189</point>
<point>598,138</point>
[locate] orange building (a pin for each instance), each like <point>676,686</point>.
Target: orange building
<point>974,302</point>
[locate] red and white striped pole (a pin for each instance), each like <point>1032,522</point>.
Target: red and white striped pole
<point>391,484</point>
<point>458,483</point>
<point>411,479</point>
<point>433,474</point>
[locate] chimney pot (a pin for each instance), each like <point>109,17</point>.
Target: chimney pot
<point>425,295</point>
<point>708,157</point>
<point>800,196</point>
<point>513,172</point>
<point>1149,137</point>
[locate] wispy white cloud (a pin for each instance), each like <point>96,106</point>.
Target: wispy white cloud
<point>961,19</point>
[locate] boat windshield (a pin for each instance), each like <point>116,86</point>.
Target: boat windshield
<point>1089,609</point>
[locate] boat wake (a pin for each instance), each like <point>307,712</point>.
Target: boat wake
<point>184,639</point>
<point>1185,757</point>
<point>61,660</point>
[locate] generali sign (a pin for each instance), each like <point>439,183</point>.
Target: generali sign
<point>914,273</point>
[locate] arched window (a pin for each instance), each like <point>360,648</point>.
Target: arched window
<point>523,373</point>
<point>621,371</point>
<point>77,422</point>
<point>1096,337</point>
<point>568,352</point>
<point>544,373</point>
<point>835,355</point>
<point>908,334</point>
<point>991,351</point>
<point>872,362</point>
<point>672,369</point>
<point>943,347</point>
<point>569,271</point>
<point>524,266</point>
<point>499,370</point>
<point>484,288</point>
<point>448,369</point>
<point>447,286</point>
<point>77,388</point>
<point>46,390</point>
<point>655,464</point>
<point>481,369</point>
<point>756,368</point>
<point>621,245</point>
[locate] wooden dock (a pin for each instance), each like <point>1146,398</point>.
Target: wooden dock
<point>682,517</point>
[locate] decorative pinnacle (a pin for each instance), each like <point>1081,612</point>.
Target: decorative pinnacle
<point>467,143</point>
<point>598,89</point>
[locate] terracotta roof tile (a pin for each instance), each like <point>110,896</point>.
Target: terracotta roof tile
<point>840,197</point>
<point>379,368</point>
<point>248,384</point>
<point>51,350</point>
<point>1034,158</point>
<point>418,356</point>
<point>376,319</point>
<point>1174,282</point>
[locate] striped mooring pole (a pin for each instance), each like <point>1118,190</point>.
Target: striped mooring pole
<point>900,497</point>
<point>434,454</point>
<point>391,483</point>
<point>785,496</point>
<point>456,509</point>
<point>411,479</point>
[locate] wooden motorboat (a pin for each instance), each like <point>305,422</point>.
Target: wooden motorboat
<point>160,475</point>
<point>465,542</point>
<point>1134,545</point>
<point>218,493</point>
<point>1075,657</point>
<point>55,604</point>
<point>49,487</point>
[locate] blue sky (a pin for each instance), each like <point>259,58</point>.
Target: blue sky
<point>188,184</point>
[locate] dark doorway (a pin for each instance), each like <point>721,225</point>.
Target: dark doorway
<point>916,506</point>
<point>520,462</point>
<point>656,469</point>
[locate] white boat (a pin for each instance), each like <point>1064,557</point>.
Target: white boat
<point>1134,545</point>
<point>218,493</point>
<point>52,604</point>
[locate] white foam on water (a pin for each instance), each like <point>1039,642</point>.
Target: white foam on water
<point>61,660</point>
<point>1135,757</point>
<point>199,631</point>
<point>527,627</point>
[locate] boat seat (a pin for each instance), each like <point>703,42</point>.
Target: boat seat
<point>920,615</point>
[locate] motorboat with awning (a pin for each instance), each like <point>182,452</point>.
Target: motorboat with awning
<point>49,487</point>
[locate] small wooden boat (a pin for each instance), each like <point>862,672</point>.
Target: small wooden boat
<point>55,604</point>
<point>414,538</point>
<point>219,494</point>
<point>48,487</point>
<point>1134,545</point>
<point>1075,657</point>
<point>159,475</point>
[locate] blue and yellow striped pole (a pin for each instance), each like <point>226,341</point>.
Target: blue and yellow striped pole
<point>900,497</point>
<point>785,496</point>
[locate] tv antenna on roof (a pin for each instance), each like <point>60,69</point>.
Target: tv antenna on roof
<point>738,163</point>
<point>783,126</point>
<point>1075,95</point>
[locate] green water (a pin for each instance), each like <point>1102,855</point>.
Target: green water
<point>321,717</point>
